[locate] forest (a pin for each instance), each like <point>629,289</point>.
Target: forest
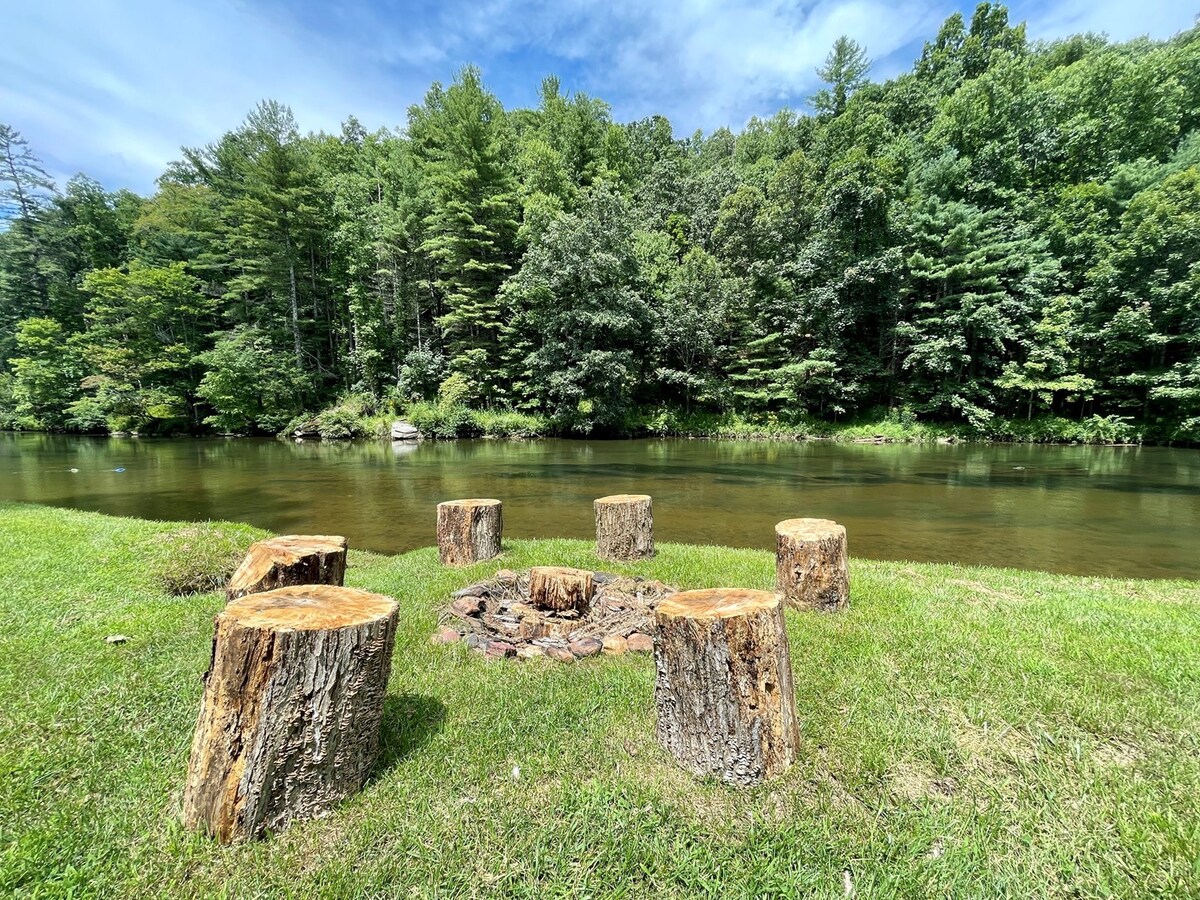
<point>1004,239</point>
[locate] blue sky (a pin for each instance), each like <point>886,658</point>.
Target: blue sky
<point>113,88</point>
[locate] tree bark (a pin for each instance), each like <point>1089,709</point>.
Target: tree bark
<point>723,684</point>
<point>811,568</point>
<point>469,531</point>
<point>293,700</point>
<point>289,560</point>
<point>624,527</point>
<point>559,588</point>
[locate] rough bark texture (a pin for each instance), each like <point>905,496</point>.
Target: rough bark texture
<point>723,684</point>
<point>811,569</point>
<point>559,588</point>
<point>289,560</point>
<point>624,527</point>
<point>469,531</point>
<point>293,699</point>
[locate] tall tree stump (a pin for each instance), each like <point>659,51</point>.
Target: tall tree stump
<point>624,527</point>
<point>469,531</point>
<point>560,588</point>
<point>289,560</point>
<point>723,684</point>
<point>293,699</point>
<point>811,569</point>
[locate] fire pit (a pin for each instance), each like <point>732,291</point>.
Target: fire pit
<point>565,614</point>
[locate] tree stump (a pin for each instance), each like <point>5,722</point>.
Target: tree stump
<point>559,588</point>
<point>289,560</point>
<point>723,684</point>
<point>811,569</point>
<point>293,699</point>
<point>469,531</point>
<point>624,527</point>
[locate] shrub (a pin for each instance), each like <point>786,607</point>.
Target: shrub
<point>197,559</point>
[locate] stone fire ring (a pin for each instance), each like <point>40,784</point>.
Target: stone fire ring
<point>612,615</point>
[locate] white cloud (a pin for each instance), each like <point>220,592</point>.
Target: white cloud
<point>114,87</point>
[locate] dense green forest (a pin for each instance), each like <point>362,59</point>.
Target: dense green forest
<point>1006,237</point>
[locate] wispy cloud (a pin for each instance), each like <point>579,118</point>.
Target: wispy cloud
<point>114,87</point>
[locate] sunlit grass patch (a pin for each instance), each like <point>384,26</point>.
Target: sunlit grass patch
<point>965,732</point>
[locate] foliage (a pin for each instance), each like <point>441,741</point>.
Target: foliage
<point>1006,232</point>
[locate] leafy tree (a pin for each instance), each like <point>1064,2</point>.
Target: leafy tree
<point>580,313</point>
<point>249,383</point>
<point>45,374</point>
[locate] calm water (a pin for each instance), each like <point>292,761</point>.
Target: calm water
<point>1086,510</point>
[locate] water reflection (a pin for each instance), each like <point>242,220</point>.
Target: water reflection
<point>1096,510</point>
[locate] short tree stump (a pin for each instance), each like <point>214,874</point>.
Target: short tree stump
<point>289,560</point>
<point>560,588</point>
<point>811,567</point>
<point>723,684</point>
<point>624,527</point>
<point>469,531</point>
<point>293,700</point>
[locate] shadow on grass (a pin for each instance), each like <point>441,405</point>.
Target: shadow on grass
<point>409,722</point>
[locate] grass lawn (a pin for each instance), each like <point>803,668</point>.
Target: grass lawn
<point>966,733</point>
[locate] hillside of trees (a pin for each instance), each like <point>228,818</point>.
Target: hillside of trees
<point>1008,232</point>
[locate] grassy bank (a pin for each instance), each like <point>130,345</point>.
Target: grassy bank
<point>359,417</point>
<point>966,732</point>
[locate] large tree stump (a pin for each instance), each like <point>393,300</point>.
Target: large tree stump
<point>624,527</point>
<point>289,560</point>
<point>560,588</point>
<point>293,699</point>
<point>469,531</point>
<point>723,684</point>
<point>811,569</point>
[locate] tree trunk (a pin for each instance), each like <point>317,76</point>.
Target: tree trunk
<point>723,684</point>
<point>293,700</point>
<point>811,569</point>
<point>624,527</point>
<point>289,560</point>
<point>469,531</point>
<point>558,588</point>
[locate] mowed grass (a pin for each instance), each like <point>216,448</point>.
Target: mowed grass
<point>966,733</point>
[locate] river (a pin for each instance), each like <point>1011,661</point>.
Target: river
<point>1118,511</point>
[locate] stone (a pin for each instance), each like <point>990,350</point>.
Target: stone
<point>615,645</point>
<point>404,431</point>
<point>445,636</point>
<point>116,639</point>
<point>474,590</point>
<point>464,607</point>
<point>639,643</point>
<point>506,577</point>
<point>599,578</point>
<point>475,641</point>
<point>585,647</point>
<point>530,652</point>
<point>562,654</point>
<point>500,650</point>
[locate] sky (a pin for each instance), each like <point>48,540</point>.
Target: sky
<point>113,88</point>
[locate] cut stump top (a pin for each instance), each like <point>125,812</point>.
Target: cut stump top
<point>308,607</point>
<point>716,603</point>
<point>303,544</point>
<point>470,503</point>
<point>624,498</point>
<point>809,529</point>
<point>559,572</point>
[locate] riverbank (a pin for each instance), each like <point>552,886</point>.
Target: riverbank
<point>356,418</point>
<point>967,731</point>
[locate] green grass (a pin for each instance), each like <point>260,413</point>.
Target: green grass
<point>966,733</point>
